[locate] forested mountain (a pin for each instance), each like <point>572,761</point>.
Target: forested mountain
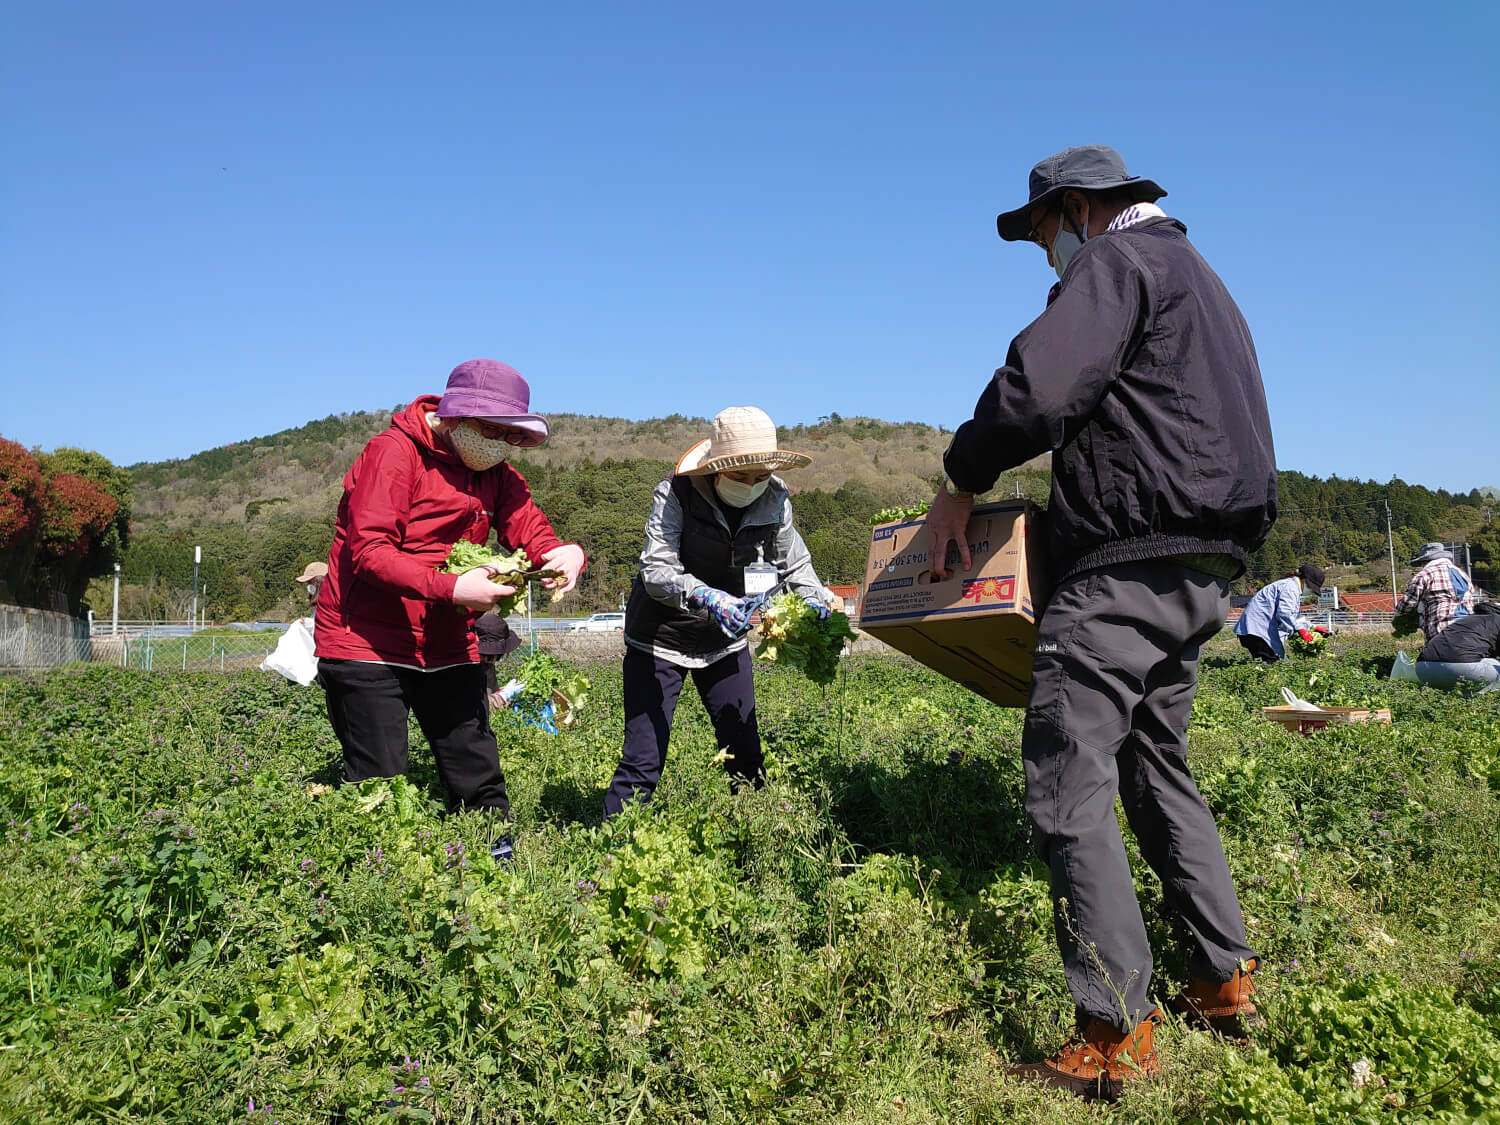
<point>262,508</point>
<point>298,472</point>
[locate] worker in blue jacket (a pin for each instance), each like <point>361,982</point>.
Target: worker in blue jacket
<point>1275,613</point>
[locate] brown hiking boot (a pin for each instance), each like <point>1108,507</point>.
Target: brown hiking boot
<point>1099,1060</point>
<point>1226,1007</point>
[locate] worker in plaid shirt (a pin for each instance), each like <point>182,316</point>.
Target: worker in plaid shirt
<point>1439,591</point>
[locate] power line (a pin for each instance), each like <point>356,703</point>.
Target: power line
<point>1335,507</point>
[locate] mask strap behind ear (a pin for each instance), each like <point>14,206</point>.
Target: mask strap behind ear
<point>1083,226</point>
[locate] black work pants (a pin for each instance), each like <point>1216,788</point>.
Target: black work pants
<point>368,706</point>
<point>652,686</point>
<point>1113,678</point>
<point>1259,647</point>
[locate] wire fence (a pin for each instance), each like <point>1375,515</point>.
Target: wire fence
<point>202,652</point>
<point>36,638</point>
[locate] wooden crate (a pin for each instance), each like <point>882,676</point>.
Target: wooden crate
<point>1305,722</point>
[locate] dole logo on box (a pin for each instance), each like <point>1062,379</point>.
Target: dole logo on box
<point>990,591</point>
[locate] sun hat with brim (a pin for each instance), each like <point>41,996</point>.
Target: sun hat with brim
<point>1085,167</point>
<point>314,570</point>
<point>493,392</point>
<point>744,437</point>
<point>1432,551</point>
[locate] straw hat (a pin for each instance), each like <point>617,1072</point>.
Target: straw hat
<point>744,437</point>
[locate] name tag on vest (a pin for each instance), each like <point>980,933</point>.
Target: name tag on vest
<point>759,578</point>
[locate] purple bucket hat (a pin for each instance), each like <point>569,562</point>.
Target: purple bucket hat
<point>494,392</point>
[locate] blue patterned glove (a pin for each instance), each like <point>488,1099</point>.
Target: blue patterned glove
<point>732,614</point>
<point>817,607</point>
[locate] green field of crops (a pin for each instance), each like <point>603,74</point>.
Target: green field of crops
<point>198,924</point>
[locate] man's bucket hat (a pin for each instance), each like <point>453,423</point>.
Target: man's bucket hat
<point>495,637</point>
<point>1086,167</point>
<point>1432,551</point>
<point>744,437</point>
<point>494,392</point>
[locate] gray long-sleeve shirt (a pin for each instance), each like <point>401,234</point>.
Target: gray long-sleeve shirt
<point>666,580</point>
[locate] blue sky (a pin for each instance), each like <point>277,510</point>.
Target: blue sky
<point>223,220</point>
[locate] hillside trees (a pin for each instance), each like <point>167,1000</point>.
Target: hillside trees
<point>1484,549</point>
<point>595,476</point>
<point>246,572</point>
<point>247,567</point>
<point>1333,521</point>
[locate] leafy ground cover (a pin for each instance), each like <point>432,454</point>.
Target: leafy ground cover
<point>198,923</point>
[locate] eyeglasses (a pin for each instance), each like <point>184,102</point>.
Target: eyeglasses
<point>1034,235</point>
<point>495,432</point>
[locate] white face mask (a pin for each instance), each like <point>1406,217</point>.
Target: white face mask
<point>738,494</point>
<point>1065,244</point>
<point>473,448</point>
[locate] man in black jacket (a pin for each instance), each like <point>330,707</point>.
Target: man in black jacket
<point>1466,652</point>
<point>1142,380</point>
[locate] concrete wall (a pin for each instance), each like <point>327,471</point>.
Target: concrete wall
<point>32,638</point>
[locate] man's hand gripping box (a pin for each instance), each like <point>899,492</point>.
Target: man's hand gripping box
<point>979,627</point>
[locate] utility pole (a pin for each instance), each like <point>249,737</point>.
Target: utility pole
<point>1390,540</point>
<point>197,558</point>
<point>114,619</point>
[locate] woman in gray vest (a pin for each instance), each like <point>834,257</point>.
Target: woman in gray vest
<point>720,536</point>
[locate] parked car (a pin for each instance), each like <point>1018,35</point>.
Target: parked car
<point>599,623</point>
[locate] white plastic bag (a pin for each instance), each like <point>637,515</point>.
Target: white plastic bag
<point>1404,668</point>
<point>1296,703</point>
<point>294,657</point>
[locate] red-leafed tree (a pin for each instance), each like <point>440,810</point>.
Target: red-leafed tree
<point>64,518</point>
<point>22,492</point>
<point>75,514</point>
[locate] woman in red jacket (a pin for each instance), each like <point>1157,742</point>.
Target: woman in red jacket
<point>394,634</point>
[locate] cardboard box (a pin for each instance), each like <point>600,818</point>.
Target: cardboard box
<point>976,627</point>
<point>1305,722</point>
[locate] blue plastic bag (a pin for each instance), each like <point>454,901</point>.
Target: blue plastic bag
<point>530,715</point>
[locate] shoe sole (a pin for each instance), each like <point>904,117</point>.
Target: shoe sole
<point>1236,1026</point>
<point>1101,1089</point>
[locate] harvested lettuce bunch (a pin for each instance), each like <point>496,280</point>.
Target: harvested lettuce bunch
<point>891,515</point>
<point>544,674</point>
<point>1314,647</point>
<point>465,556</point>
<point>791,634</point>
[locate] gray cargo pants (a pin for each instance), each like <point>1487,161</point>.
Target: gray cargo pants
<point>1112,686</point>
